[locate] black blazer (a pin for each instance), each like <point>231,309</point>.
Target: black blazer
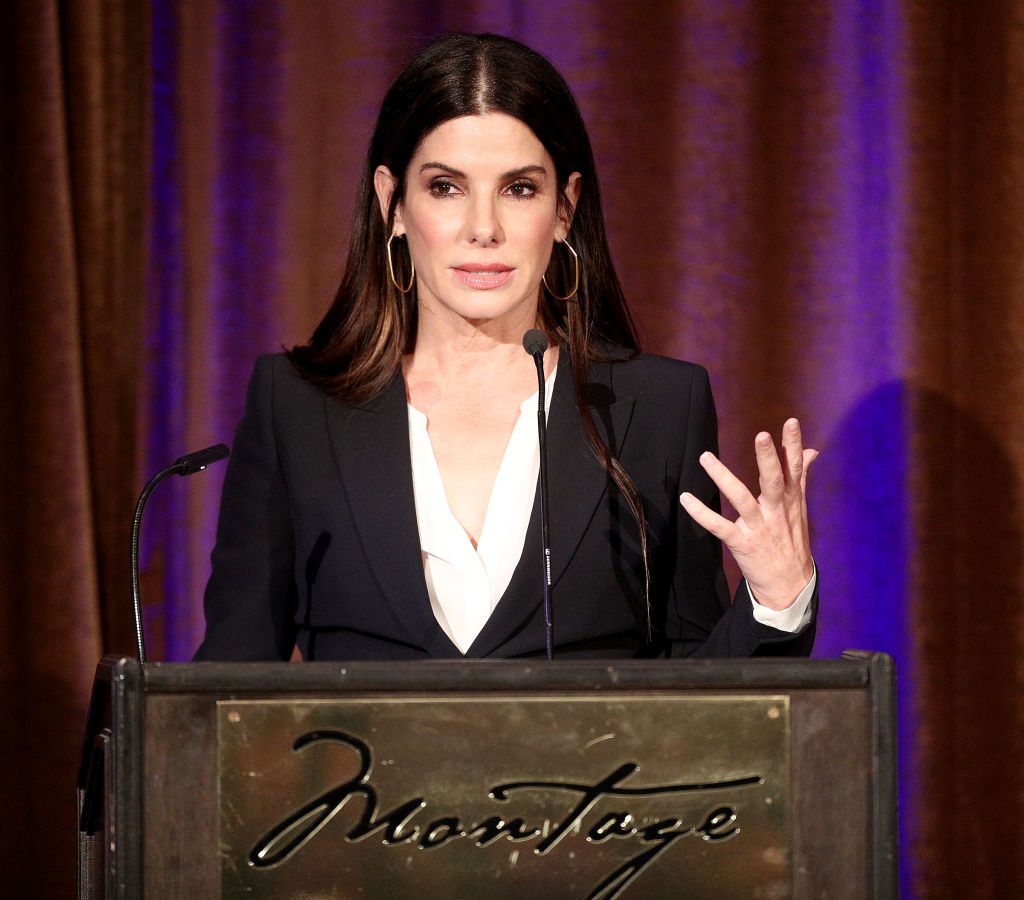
<point>317,541</point>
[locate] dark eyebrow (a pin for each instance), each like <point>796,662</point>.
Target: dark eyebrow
<point>443,168</point>
<point>526,170</point>
<point>514,173</point>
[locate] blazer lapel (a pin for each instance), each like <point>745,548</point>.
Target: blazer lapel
<point>371,445</point>
<point>576,483</point>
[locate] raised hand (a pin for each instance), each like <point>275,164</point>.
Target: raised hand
<point>769,540</point>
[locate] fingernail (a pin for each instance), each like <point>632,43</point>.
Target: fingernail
<point>707,456</point>
<point>685,496</point>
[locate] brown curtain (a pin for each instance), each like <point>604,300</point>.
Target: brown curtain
<point>823,203</point>
<point>73,179</point>
<point>966,234</point>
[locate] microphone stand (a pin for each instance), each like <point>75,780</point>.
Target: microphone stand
<point>185,465</point>
<point>535,342</point>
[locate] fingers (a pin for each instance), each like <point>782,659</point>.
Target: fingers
<point>703,515</point>
<point>734,490</point>
<point>795,460</point>
<point>809,457</point>
<point>769,470</point>
<point>793,453</point>
<point>782,477</point>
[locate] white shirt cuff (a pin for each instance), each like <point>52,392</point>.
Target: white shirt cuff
<point>794,617</point>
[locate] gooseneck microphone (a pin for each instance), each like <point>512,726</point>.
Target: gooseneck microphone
<point>184,465</point>
<point>535,342</point>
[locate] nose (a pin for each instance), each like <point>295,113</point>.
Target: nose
<point>483,223</point>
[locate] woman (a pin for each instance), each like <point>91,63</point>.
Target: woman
<point>380,499</point>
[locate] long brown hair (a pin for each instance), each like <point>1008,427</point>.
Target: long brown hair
<point>356,351</point>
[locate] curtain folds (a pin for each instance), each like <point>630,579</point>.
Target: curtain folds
<point>966,233</point>
<point>72,106</point>
<point>822,203</point>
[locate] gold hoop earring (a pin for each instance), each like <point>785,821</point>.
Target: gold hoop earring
<point>576,280</point>
<point>391,269</point>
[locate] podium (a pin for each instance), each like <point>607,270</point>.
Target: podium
<point>597,779</point>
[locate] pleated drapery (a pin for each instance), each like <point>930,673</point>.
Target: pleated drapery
<point>72,133</point>
<point>822,203</point>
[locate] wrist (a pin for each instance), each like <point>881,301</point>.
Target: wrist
<point>781,596</point>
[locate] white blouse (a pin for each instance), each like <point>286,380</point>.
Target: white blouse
<point>465,583</point>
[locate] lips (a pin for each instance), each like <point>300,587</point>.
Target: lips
<point>483,277</point>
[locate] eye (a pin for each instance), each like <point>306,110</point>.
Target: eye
<point>522,189</point>
<point>442,187</point>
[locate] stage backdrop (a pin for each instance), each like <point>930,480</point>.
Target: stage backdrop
<point>823,203</point>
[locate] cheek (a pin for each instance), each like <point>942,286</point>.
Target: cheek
<point>429,223</point>
<point>543,253</point>
<point>544,246</point>
<point>540,236</point>
<point>427,236</point>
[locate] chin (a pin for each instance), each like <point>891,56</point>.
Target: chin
<point>479,307</point>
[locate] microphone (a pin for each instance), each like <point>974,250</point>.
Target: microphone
<point>196,462</point>
<point>183,465</point>
<point>535,342</point>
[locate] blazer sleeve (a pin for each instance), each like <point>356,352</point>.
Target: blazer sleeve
<point>251,598</point>
<point>699,619</point>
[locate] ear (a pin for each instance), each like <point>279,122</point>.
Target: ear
<point>572,194</point>
<point>384,184</point>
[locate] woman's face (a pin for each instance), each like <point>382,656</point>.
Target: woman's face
<point>480,216</point>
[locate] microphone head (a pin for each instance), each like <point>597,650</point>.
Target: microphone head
<point>196,462</point>
<point>535,341</point>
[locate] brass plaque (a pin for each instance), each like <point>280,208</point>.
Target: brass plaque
<point>583,796</point>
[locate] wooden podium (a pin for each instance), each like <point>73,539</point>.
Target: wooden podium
<point>661,778</point>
